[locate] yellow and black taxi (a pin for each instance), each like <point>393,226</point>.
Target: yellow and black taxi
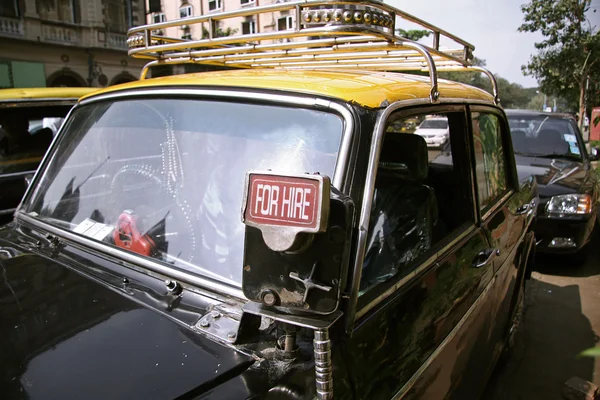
<point>550,147</point>
<point>29,119</point>
<point>271,231</point>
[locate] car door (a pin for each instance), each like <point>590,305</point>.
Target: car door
<point>503,213</point>
<point>423,313</point>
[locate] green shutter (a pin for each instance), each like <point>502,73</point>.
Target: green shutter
<point>5,81</point>
<point>28,74</point>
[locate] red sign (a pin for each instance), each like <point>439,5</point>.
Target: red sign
<point>283,201</point>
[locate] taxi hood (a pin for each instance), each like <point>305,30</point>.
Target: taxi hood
<point>64,335</point>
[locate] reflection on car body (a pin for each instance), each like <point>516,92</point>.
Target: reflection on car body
<point>258,234</point>
<point>550,147</point>
<point>29,119</point>
<point>434,129</point>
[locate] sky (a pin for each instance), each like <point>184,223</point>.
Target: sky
<point>490,25</point>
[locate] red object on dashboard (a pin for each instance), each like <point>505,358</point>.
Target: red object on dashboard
<point>127,235</point>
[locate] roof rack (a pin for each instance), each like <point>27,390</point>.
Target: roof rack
<point>324,34</point>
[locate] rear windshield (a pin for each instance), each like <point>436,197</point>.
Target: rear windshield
<point>543,136</point>
<point>165,178</point>
<point>434,124</point>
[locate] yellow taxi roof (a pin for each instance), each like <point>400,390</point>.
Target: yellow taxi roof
<point>367,88</point>
<point>21,94</point>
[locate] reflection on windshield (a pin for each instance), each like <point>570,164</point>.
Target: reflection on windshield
<point>540,136</point>
<point>165,178</point>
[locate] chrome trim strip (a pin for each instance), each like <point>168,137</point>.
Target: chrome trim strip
<point>497,205</point>
<point>422,267</point>
<point>16,174</point>
<point>8,211</point>
<point>411,382</point>
<point>135,259</point>
<point>337,180</point>
<point>10,103</point>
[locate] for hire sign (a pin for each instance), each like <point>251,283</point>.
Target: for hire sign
<point>282,206</point>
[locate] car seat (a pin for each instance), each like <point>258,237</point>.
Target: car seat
<point>404,211</point>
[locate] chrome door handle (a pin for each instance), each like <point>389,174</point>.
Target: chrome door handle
<point>485,257</point>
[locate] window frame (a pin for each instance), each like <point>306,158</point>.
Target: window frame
<point>512,180</point>
<point>15,7</point>
<point>245,3</point>
<point>385,292</point>
<point>289,22</point>
<point>161,16</point>
<point>252,27</point>
<point>188,9</point>
<point>218,5</point>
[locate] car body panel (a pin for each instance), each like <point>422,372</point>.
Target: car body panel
<point>369,89</point>
<point>55,315</point>
<point>401,335</point>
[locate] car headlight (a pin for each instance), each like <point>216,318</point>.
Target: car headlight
<point>569,204</point>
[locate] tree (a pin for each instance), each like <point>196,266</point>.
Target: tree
<point>413,34</point>
<point>219,32</point>
<point>569,55</point>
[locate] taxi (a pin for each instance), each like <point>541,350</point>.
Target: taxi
<point>271,231</point>
<point>29,119</point>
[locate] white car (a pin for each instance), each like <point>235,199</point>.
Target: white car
<point>434,131</point>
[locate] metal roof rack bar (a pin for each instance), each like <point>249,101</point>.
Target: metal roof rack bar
<point>325,34</point>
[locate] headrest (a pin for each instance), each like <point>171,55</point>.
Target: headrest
<point>404,156</point>
<point>552,141</point>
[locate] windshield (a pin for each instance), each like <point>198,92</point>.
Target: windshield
<point>165,178</point>
<point>544,136</point>
<point>434,124</point>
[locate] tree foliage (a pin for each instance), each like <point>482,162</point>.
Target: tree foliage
<point>569,55</point>
<point>512,95</point>
<point>413,34</point>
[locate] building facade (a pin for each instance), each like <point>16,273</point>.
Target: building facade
<point>168,10</point>
<point>67,42</point>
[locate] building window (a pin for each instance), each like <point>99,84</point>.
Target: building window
<point>248,27</point>
<point>185,11</point>
<point>160,17</point>
<point>58,10</point>
<point>214,5</point>
<point>285,23</point>
<point>9,8</point>
<point>246,2</point>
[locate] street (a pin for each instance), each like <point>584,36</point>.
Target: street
<point>562,318</point>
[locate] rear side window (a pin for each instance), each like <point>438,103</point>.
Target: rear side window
<point>490,162</point>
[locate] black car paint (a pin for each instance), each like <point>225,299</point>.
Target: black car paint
<point>53,291</point>
<point>68,333</point>
<point>555,177</point>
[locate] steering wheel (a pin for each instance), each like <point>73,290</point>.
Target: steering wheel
<point>170,207</point>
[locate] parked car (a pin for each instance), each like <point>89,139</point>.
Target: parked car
<point>434,130</point>
<point>550,147</point>
<point>29,119</point>
<point>259,233</point>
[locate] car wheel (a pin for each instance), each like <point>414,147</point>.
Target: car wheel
<point>517,318</point>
